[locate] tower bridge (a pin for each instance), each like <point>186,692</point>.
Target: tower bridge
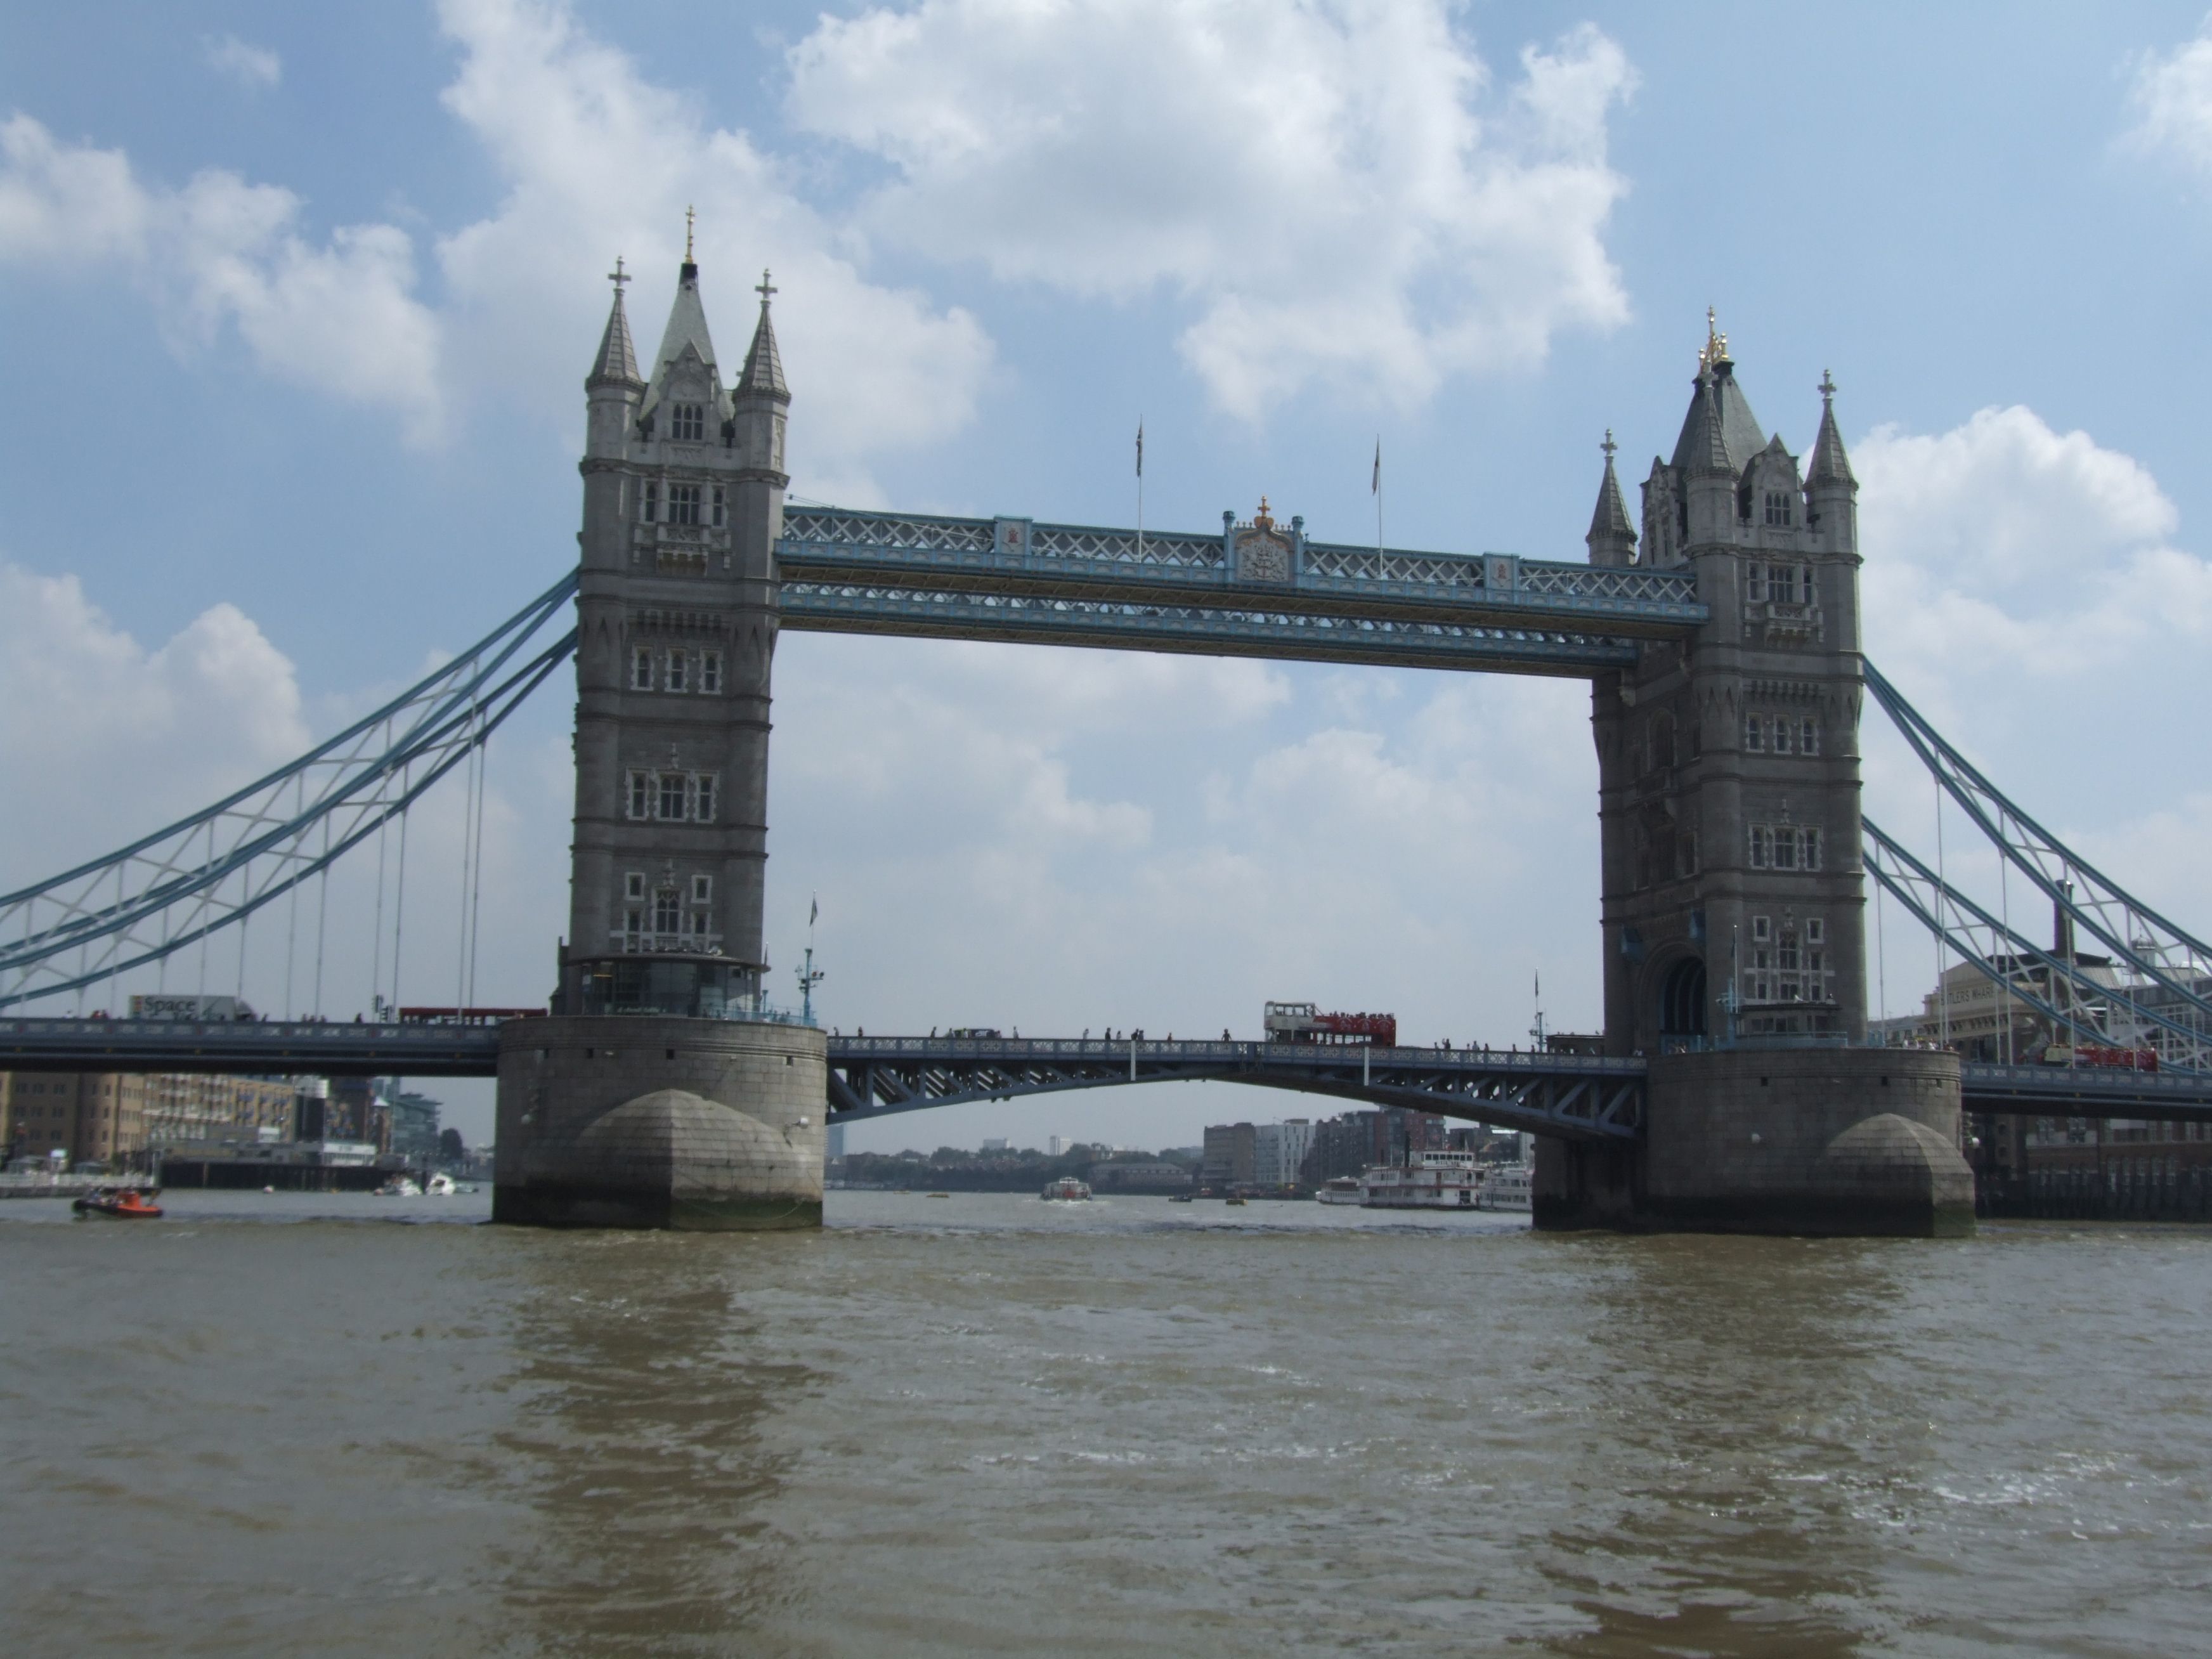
<point>1718,628</point>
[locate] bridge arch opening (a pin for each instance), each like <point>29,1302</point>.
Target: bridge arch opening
<point>1682,999</point>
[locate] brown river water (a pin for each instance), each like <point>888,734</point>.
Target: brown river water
<point>987,1424</point>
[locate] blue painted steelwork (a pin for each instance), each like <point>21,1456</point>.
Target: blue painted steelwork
<point>250,1048</point>
<point>935,613</point>
<point>1011,579</point>
<point>2176,962</point>
<point>215,868</point>
<point>2091,1091</point>
<point>1576,1097</point>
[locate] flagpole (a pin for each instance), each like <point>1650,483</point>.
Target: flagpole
<point>1376,483</point>
<point>1140,490</point>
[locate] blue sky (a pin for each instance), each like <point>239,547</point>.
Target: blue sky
<point>299,300</point>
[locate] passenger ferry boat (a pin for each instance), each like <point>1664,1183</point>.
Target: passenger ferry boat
<point>1069,1189</point>
<point>1509,1186</point>
<point>1344,1190</point>
<point>1441,1181</point>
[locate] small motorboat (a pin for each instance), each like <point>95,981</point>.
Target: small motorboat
<point>125,1203</point>
<point>398,1186</point>
<point>1235,1199</point>
<point>440,1186</point>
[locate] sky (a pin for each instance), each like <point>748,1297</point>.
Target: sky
<point>299,301</point>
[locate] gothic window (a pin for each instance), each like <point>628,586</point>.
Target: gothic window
<point>683,503</point>
<point>702,890</point>
<point>641,670</point>
<point>1754,583</point>
<point>1762,846</point>
<point>705,797</point>
<point>634,885</point>
<point>1762,928</point>
<point>1808,736</point>
<point>722,506</point>
<point>1781,735</point>
<point>1808,849</point>
<point>710,673</point>
<point>687,423</point>
<point>1816,931</point>
<point>640,795</point>
<point>1754,733</point>
<point>1778,507</point>
<point>678,676</point>
<point>672,796</point>
<point>667,914</point>
<point>650,510</point>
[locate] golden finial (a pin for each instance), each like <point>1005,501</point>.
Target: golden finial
<point>1716,348</point>
<point>687,236</point>
<point>1260,519</point>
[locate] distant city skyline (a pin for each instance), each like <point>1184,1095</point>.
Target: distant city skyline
<point>307,300</point>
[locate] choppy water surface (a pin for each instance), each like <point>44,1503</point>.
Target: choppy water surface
<point>987,1424</point>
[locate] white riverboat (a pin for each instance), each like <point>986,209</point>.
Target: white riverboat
<point>1440,1180</point>
<point>1508,1187</point>
<point>1067,1189</point>
<point>1344,1190</point>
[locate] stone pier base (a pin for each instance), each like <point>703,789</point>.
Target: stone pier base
<point>1839,1141</point>
<point>646,1120</point>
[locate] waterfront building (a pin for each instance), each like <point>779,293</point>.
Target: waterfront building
<point>87,1117</point>
<point>1279,1151</point>
<point>414,1125</point>
<point>1138,1175</point>
<point>1228,1158</point>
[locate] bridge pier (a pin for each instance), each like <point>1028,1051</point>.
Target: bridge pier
<point>1831,1141</point>
<point>647,1121</point>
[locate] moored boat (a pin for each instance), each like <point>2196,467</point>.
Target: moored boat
<point>1067,1189</point>
<point>1343,1189</point>
<point>123,1203</point>
<point>1508,1187</point>
<point>1440,1180</point>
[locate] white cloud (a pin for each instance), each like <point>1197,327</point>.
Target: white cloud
<point>596,160</point>
<point>340,318</point>
<point>250,66</point>
<point>1337,186</point>
<point>2173,99</point>
<point>2022,588</point>
<point>141,736</point>
<point>2003,543</point>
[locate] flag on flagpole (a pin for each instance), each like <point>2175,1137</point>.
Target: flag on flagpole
<point>813,910</point>
<point>1140,447</point>
<point>1375,483</point>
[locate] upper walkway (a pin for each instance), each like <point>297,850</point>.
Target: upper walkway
<point>845,571</point>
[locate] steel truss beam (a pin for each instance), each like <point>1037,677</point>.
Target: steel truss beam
<point>1221,629</point>
<point>1982,941</point>
<point>178,886</point>
<point>1576,1097</point>
<point>1010,579</point>
<point>2176,963</point>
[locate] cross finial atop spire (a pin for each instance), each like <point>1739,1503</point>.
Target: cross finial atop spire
<point>618,276</point>
<point>1827,388</point>
<point>1609,446</point>
<point>688,218</point>
<point>764,287</point>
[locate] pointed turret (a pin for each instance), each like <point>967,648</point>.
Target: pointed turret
<point>1831,491</point>
<point>1830,465</point>
<point>1703,452</point>
<point>687,326</point>
<point>1740,436</point>
<point>763,369</point>
<point>613,388</point>
<point>616,361</point>
<point>760,399</point>
<point>1612,538</point>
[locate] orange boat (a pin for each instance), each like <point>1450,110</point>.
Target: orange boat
<point>126,1203</point>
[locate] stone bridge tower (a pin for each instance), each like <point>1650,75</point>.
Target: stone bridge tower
<point>1733,887</point>
<point>1727,765</point>
<point>661,1091</point>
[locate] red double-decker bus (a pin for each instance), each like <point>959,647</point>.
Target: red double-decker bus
<point>1302,1022</point>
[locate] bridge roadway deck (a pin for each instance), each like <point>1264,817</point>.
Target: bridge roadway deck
<point>1584,1098</point>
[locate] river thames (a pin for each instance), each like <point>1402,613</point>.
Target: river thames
<point>987,1424</point>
